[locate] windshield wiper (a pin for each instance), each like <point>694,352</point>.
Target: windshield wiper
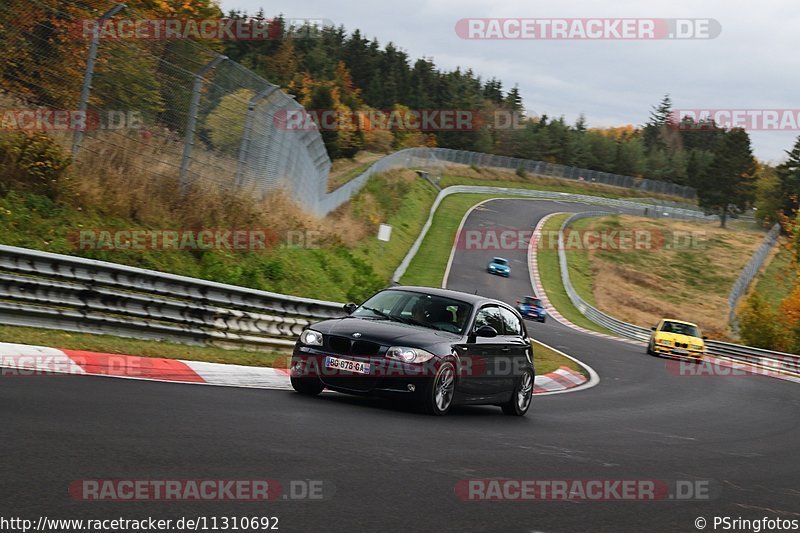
<point>381,313</point>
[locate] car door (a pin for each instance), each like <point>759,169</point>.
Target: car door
<point>478,361</point>
<point>513,347</point>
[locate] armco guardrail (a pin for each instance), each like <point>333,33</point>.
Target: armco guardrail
<point>48,290</point>
<point>765,359</point>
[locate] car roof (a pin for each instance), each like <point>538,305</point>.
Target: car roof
<point>475,299</point>
<point>499,259</point>
<point>680,322</point>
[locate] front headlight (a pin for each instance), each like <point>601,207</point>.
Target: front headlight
<point>664,342</point>
<point>697,346</point>
<point>311,337</point>
<point>408,355</point>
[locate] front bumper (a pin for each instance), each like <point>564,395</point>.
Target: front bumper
<point>678,353</point>
<point>505,274</point>
<point>387,377</point>
<point>532,315</point>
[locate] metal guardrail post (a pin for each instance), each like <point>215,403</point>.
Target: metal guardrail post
<point>188,143</point>
<point>83,105</point>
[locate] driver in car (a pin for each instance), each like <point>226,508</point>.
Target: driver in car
<point>420,311</point>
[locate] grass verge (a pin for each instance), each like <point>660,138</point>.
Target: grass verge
<point>124,346</point>
<point>776,280</point>
<point>547,360</point>
<point>550,274</point>
<point>683,269</point>
<point>344,170</point>
<point>428,266</point>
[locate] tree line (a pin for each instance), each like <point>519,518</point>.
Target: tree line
<point>331,68</point>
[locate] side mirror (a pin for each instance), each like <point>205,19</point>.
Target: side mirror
<point>486,331</point>
<point>349,308</point>
<point>653,328</point>
<point>705,338</point>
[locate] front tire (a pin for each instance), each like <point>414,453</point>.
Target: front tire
<point>307,386</point>
<point>439,394</point>
<point>520,400</point>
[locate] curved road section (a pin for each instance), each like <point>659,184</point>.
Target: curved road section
<point>645,449</point>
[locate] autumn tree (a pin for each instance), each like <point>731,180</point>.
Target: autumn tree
<point>788,174</point>
<point>225,124</point>
<point>728,186</point>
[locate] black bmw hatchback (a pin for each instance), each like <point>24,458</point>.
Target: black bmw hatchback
<point>434,346</point>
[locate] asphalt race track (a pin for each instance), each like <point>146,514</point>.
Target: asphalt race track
<point>386,468</point>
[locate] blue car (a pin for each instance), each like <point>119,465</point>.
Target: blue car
<point>499,266</point>
<point>531,307</point>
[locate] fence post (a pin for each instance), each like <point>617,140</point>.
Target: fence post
<point>244,146</point>
<point>77,136</point>
<point>191,122</point>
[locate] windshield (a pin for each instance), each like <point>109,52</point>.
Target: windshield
<point>681,329</point>
<point>434,312</point>
<point>533,301</point>
<point>499,261</point>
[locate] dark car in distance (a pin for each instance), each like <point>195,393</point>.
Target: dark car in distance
<point>436,347</point>
<point>533,308</point>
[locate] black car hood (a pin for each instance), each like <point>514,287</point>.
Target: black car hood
<point>385,332</point>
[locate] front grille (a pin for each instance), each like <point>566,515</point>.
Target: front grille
<point>345,346</point>
<point>365,348</point>
<point>340,345</point>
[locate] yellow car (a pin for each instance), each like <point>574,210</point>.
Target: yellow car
<point>676,338</point>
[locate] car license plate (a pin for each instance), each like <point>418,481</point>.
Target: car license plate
<point>356,367</point>
<point>680,352</point>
